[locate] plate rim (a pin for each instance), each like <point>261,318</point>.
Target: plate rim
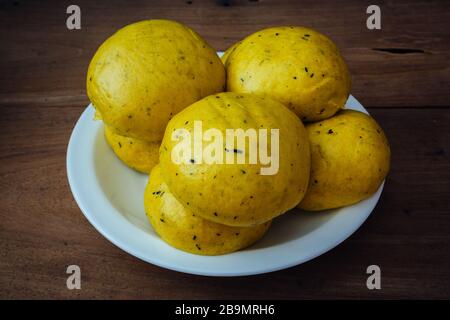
<point>111,234</point>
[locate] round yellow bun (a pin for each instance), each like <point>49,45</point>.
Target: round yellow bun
<point>350,158</point>
<point>298,66</point>
<point>137,154</point>
<point>181,228</point>
<point>147,72</point>
<point>237,194</point>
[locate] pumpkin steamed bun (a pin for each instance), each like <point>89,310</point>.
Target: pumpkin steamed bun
<point>138,154</point>
<point>147,72</point>
<point>238,188</point>
<point>298,66</point>
<point>350,158</point>
<point>183,229</point>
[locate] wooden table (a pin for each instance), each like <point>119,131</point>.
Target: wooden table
<point>401,73</point>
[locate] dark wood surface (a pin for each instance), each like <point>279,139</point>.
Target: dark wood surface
<point>401,73</point>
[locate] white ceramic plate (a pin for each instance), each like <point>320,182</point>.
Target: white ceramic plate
<point>110,195</point>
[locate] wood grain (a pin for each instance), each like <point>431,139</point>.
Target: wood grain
<point>42,70</point>
<point>39,46</point>
<point>43,231</point>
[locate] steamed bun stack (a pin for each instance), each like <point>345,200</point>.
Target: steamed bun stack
<point>142,76</point>
<point>152,81</point>
<point>304,70</point>
<point>220,207</point>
